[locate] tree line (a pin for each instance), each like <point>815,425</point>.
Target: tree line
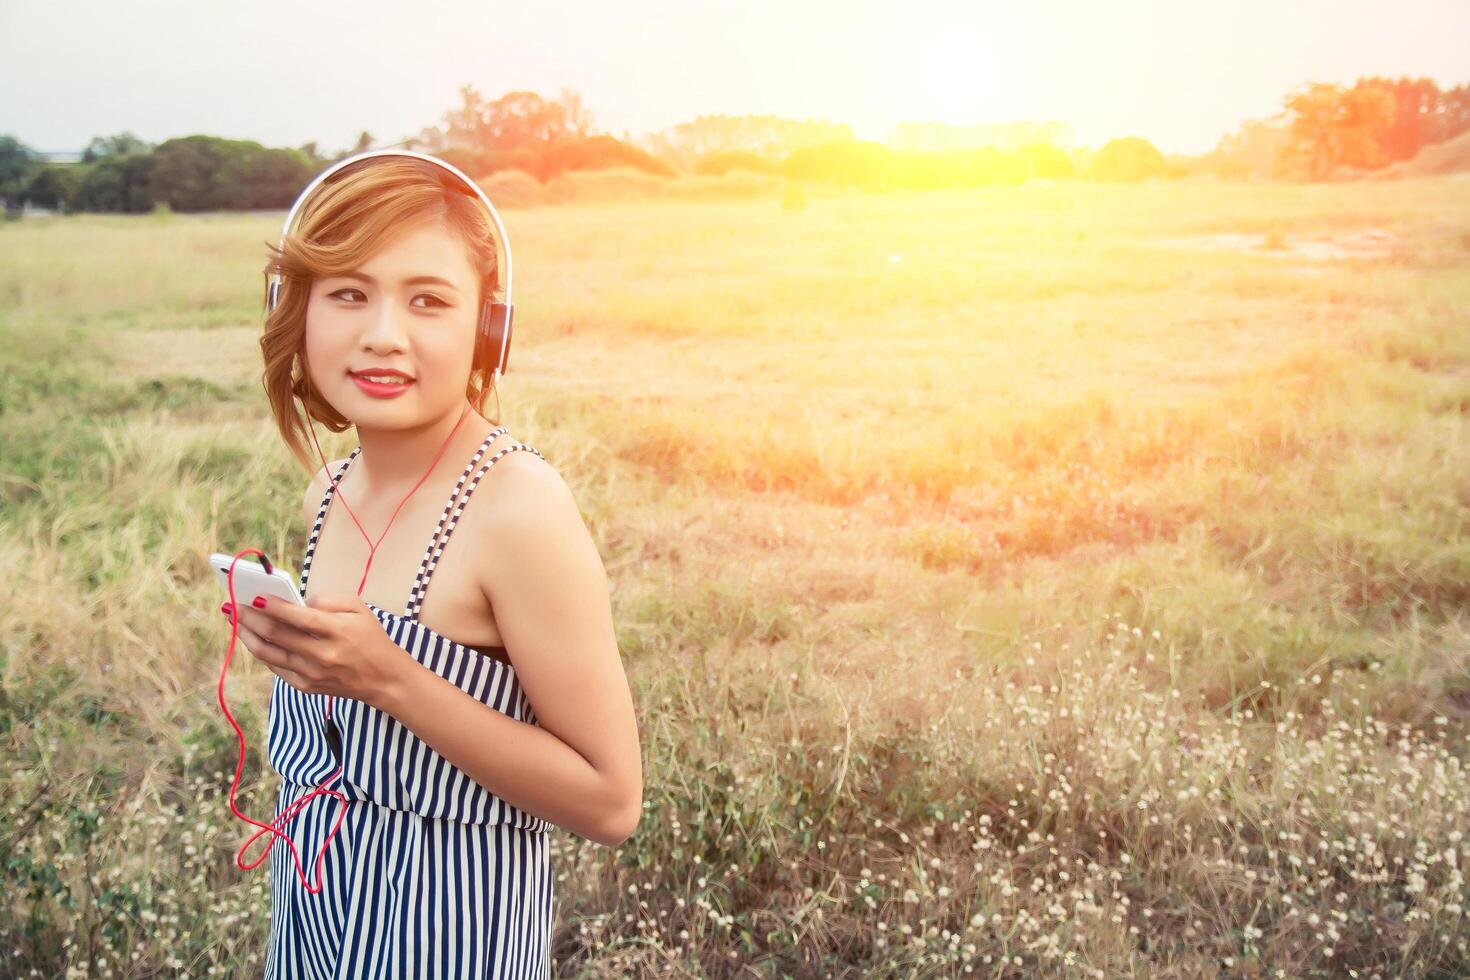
<point>1372,124</point>
<point>1326,132</point>
<point>1322,130</point>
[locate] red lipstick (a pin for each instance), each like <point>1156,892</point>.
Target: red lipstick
<point>377,389</point>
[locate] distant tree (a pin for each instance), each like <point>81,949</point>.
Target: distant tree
<point>514,131</point>
<point>578,116</point>
<point>524,131</point>
<point>208,173</point>
<point>117,183</point>
<point>1377,122</point>
<point>519,120</point>
<point>18,166</point>
<point>430,139</point>
<point>1258,148</point>
<point>310,152</point>
<point>119,145</point>
<point>256,177</point>
<point>525,119</point>
<point>1129,158</point>
<point>188,173</point>
<point>1414,121</point>
<point>56,186</point>
<point>1043,158</point>
<point>1333,127</point>
<point>459,129</point>
<point>516,120</point>
<point>1454,112</point>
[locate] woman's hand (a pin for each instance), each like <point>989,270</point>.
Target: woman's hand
<point>332,645</point>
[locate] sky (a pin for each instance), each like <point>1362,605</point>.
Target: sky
<point>285,73</point>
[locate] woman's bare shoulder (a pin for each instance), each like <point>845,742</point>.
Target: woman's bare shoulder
<point>527,479</point>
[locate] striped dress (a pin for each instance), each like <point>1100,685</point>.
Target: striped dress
<point>430,874</point>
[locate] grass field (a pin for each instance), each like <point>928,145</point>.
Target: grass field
<point>1007,588</point>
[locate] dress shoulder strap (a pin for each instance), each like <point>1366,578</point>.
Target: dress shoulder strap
<point>464,477</point>
<point>321,516</point>
<point>450,519</point>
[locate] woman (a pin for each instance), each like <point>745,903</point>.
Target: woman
<point>448,729</point>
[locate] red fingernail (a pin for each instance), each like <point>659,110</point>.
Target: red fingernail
<point>258,602</point>
<point>225,608</point>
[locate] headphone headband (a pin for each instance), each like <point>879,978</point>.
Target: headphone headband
<point>502,291</point>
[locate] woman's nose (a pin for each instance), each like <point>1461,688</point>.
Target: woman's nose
<point>386,331</point>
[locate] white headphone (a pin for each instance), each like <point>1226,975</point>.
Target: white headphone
<point>495,313</point>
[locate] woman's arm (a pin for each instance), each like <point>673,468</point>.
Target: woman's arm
<point>581,769</point>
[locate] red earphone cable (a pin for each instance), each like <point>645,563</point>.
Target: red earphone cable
<point>321,789</point>
<point>373,546</point>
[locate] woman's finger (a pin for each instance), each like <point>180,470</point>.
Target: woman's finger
<point>277,633</point>
<point>292,678</point>
<point>274,658</point>
<point>263,650</point>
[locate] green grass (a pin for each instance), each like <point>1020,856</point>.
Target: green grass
<point>1045,601</point>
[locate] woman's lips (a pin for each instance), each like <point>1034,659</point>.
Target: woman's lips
<point>377,390</point>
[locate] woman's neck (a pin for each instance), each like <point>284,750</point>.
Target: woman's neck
<point>395,460</point>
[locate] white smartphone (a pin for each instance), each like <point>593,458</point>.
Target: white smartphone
<point>251,579</point>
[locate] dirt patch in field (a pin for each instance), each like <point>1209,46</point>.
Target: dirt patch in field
<point>1368,243</point>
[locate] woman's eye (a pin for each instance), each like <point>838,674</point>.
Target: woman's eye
<point>430,296</point>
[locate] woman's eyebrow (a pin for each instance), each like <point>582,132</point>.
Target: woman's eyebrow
<point>411,281</point>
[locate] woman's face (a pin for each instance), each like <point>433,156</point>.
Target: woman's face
<point>411,307</point>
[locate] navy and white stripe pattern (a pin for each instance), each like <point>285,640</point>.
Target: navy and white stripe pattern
<point>430,874</point>
<point>449,521</point>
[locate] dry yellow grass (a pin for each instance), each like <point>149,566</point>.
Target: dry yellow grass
<point>1007,590</point>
